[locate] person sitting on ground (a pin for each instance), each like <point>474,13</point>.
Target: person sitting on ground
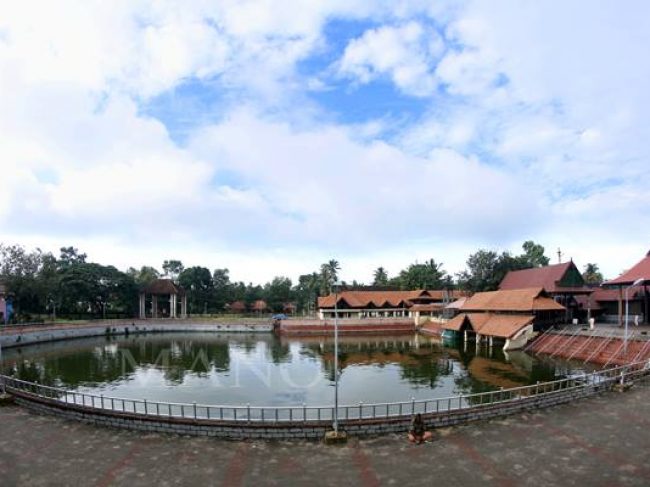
<point>418,433</point>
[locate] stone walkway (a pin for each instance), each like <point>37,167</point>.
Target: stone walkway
<point>599,441</point>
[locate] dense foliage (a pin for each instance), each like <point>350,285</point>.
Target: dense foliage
<point>70,286</point>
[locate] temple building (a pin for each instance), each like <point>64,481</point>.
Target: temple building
<point>505,316</point>
<point>163,299</point>
<point>416,304</point>
<point>563,282</point>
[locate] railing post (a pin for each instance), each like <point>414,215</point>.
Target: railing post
<point>412,405</point>
<point>360,409</point>
<point>101,396</point>
<point>146,409</point>
<point>304,412</point>
<point>194,406</point>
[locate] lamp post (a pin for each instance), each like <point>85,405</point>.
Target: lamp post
<point>336,359</point>
<point>627,307</point>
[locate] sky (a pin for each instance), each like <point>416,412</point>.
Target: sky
<point>269,137</point>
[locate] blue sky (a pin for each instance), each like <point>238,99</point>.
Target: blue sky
<point>269,136</point>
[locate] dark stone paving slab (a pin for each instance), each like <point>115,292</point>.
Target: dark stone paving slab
<point>598,441</point>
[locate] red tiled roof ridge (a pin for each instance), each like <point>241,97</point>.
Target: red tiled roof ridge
<point>527,299</point>
<point>491,324</point>
<point>640,270</point>
<point>361,299</point>
<point>546,277</point>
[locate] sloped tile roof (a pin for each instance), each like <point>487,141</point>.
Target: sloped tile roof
<point>457,304</point>
<point>504,326</point>
<point>641,270</point>
<point>546,277</point>
<point>491,324</point>
<point>363,299</point>
<point>521,300</point>
<point>603,295</point>
<point>163,286</point>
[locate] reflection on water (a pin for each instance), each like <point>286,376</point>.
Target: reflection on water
<point>266,370</point>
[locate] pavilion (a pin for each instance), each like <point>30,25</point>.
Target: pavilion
<point>160,299</point>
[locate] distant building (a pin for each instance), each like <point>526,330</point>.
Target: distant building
<point>236,307</point>
<point>638,297</point>
<point>510,316</point>
<point>162,298</point>
<point>289,308</point>
<point>260,306</point>
<point>563,282</point>
<point>513,330</point>
<point>416,304</point>
<point>533,302</point>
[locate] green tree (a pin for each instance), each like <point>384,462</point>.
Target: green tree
<point>380,277</point>
<point>172,269</point>
<point>277,293</point>
<point>145,276</point>
<point>533,255</point>
<point>223,289</point>
<point>429,275</point>
<point>486,268</point>
<point>70,255</point>
<point>96,289</point>
<point>329,275</point>
<point>482,272</point>
<point>197,282</point>
<point>307,290</point>
<point>19,270</point>
<point>592,275</point>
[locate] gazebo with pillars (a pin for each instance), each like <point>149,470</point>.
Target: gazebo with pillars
<point>152,306</point>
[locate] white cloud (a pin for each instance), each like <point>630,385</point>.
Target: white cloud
<point>404,54</point>
<point>536,135</point>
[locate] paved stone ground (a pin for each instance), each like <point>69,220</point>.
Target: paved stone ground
<point>597,441</point>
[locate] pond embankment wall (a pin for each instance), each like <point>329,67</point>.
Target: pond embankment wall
<point>20,336</point>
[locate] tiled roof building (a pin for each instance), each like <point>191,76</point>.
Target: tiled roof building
<point>638,296</point>
<point>363,304</point>
<point>563,282</point>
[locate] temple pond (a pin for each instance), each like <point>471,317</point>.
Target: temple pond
<point>264,370</point>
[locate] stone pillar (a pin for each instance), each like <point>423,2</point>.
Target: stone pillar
<point>620,306</point>
<point>154,306</point>
<point>172,305</point>
<point>184,306</point>
<point>142,306</point>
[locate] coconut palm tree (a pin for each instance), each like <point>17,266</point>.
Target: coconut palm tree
<point>329,275</point>
<point>381,277</point>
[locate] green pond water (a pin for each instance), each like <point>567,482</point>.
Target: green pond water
<point>264,370</point>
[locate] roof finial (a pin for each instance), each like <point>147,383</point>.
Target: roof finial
<point>559,256</point>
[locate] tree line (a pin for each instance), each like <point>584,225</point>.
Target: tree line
<point>68,286</point>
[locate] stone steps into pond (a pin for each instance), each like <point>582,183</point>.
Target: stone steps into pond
<point>594,347</point>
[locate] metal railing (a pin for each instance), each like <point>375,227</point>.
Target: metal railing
<point>304,413</point>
